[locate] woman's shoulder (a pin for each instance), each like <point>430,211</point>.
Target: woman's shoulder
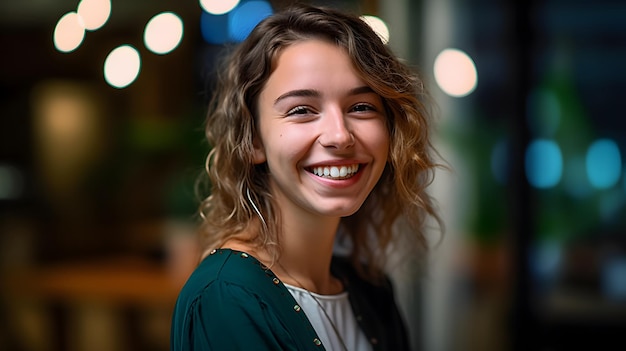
<point>225,266</point>
<point>225,279</point>
<point>232,294</point>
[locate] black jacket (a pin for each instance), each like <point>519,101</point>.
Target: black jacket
<point>374,307</point>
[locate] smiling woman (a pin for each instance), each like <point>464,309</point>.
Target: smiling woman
<point>319,134</point>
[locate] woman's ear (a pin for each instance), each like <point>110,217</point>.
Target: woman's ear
<point>259,151</point>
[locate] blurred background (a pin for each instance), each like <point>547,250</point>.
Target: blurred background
<point>101,142</point>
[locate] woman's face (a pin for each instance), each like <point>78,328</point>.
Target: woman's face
<point>322,132</point>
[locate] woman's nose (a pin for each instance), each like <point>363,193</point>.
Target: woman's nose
<point>335,132</point>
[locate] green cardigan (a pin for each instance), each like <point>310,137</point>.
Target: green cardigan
<point>231,302</point>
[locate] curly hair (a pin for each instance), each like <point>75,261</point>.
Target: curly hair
<point>239,200</point>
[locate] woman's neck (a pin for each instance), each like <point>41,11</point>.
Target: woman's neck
<point>307,249</point>
<point>306,254</point>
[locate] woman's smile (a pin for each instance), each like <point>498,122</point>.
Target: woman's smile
<point>335,172</point>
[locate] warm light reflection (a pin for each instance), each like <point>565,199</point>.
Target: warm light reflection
<point>68,135</point>
<point>218,7</point>
<point>604,164</point>
<point>544,163</point>
<point>378,25</point>
<point>455,73</point>
<point>69,32</point>
<point>163,33</point>
<point>94,13</point>
<point>122,65</point>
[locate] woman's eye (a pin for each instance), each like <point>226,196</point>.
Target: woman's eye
<point>363,108</point>
<point>299,110</point>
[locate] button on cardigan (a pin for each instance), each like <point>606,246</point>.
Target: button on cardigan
<point>232,302</point>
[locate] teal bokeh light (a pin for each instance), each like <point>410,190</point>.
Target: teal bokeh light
<point>604,163</point>
<point>544,163</point>
<point>245,17</point>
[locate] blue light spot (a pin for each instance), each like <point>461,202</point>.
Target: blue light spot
<point>214,28</point>
<point>544,163</point>
<point>604,164</point>
<point>243,18</point>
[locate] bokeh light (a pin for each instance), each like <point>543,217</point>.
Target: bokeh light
<point>245,17</point>
<point>378,25</point>
<point>122,66</point>
<point>163,33</point>
<point>94,13</point>
<point>218,7</point>
<point>604,163</point>
<point>544,163</point>
<point>214,28</point>
<point>455,73</point>
<point>234,26</point>
<point>69,32</point>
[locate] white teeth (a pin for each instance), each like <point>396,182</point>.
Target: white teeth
<point>336,172</point>
<point>343,171</point>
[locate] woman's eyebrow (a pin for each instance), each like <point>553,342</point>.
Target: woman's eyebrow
<point>314,93</point>
<point>361,90</point>
<point>298,93</point>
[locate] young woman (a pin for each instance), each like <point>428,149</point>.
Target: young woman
<point>320,136</point>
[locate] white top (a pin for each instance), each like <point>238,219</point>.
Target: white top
<point>339,311</point>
